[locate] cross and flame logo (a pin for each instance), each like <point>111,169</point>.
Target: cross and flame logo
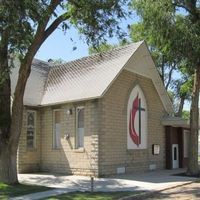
<point>136,107</point>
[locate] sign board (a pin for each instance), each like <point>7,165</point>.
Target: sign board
<point>155,149</point>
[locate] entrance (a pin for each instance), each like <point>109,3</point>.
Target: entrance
<point>175,156</point>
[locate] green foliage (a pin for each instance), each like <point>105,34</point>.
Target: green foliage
<point>95,20</point>
<point>18,19</point>
<point>105,47</point>
<point>186,114</point>
<point>7,191</point>
<point>93,196</point>
<point>174,40</point>
<point>178,31</point>
<point>173,70</point>
<point>24,26</point>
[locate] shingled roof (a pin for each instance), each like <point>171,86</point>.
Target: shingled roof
<point>35,86</point>
<point>85,78</point>
<point>90,77</point>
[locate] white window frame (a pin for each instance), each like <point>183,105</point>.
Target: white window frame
<point>53,136</point>
<point>77,136</point>
<point>35,128</point>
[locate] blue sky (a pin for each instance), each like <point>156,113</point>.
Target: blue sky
<point>59,45</point>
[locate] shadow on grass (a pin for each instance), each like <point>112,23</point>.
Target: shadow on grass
<point>179,193</point>
<point>92,196</point>
<point>7,191</point>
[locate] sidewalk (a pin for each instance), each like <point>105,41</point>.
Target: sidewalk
<point>148,181</point>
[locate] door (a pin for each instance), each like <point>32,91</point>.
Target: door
<point>175,156</point>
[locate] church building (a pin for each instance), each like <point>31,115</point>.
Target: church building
<point>104,114</point>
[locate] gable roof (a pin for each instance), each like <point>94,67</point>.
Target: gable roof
<point>90,77</point>
<point>86,78</point>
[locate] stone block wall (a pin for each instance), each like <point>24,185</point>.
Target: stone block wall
<point>68,159</point>
<point>113,152</point>
<point>29,159</point>
<point>105,143</point>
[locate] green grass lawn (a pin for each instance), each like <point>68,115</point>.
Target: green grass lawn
<point>7,191</point>
<point>92,196</point>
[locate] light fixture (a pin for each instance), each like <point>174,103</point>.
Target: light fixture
<point>69,111</point>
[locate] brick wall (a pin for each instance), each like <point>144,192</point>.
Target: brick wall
<point>113,137</point>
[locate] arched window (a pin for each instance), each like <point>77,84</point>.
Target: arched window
<point>137,120</point>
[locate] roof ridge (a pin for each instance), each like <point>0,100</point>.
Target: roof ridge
<point>42,61</point>
<point>100,54</point>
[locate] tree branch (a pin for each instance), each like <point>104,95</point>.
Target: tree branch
<point>189,6</point>
<point>176,4</point>
<point>49,11</point>
<point>24,72</point>
<point>170,76</point>
<point>55,24</point>
<point>40,32</point>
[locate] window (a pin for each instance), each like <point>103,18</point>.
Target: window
<point>80,127</point>
<point>56,129</point>
<point>137,111</point>
<point>31,129</point>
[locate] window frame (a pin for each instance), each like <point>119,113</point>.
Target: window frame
<point>35,129</point>
<point>76,132</point>
<point>53,131</point>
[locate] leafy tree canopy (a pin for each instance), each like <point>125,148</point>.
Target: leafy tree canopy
<point>95,20</point>
<point>24,26</point>
<point>179,31</point>
<point>104,47</point>
<point>176,24</point>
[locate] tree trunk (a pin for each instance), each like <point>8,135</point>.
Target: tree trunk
<point>193,168</point>
<point>8,167</point>
<point>180,108</point>
<point>8,171</point>
<point>10,127</point>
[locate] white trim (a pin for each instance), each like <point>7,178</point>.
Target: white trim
<point>76,131</point>
<point>127,62</point>
<point>175,163</point>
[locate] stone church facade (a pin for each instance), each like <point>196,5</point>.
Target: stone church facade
<point>105,134</point>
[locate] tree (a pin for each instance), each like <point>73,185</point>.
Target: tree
<point>168,64</point>
<point>24,26</point>
<point>105,47</point>
<point>177,24</point>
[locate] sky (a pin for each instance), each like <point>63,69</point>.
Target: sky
<point>60,45</point>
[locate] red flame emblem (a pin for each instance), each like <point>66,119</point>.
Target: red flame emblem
<point>132,132</point>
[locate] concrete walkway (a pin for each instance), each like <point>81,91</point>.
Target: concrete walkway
<point>148,181</point>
